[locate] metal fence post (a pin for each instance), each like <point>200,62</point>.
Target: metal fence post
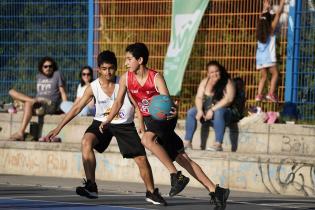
<point>293,40</point>
<point>90,33</point>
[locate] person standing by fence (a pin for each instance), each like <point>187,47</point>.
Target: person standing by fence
<point>266,50</point>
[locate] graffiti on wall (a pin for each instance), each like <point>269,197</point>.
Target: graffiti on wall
<point>20,160</point>
<point>289,173</point>
<point>296,145</point>
<point>56,163</point>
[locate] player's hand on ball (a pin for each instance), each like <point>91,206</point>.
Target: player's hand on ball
<point>173,112</point>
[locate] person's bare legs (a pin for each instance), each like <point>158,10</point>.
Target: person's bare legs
<point>145,172</point>
<point>274,79</point>
<point>27,112</point>
<point>88,156</point>
<point>262,81</point>
<point>148,141</point>
<point>89,189</point>
<point>20,96</point>
<point>195,170</point>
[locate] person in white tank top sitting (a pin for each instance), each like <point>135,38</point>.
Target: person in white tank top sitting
<point>104,89</point>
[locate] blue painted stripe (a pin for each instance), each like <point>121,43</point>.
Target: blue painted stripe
<point>49,30</point>
<point>90,33</point>
<point>45,2</point>
<point>23,204</point>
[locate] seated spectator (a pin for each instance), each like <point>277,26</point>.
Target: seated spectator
<point>215,106</point>
<point>50,92</point>
<point>86,77</point>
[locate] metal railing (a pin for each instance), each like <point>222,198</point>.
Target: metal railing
<point>300,70</point>
<point>227,34</point>
<point>32,29</point>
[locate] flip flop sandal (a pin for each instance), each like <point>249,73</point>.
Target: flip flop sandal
<point>16,137</point>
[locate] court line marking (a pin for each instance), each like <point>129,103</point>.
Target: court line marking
<point>261,204</point>
<point>125,195</point>
<point>84,204</point>
<point>268,205</point>
<point>63,196</point>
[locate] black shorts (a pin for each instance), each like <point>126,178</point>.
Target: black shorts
<point>128,140</point>
<point>167,137</point>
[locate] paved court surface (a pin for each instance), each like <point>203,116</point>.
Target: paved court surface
<point>24,192</point>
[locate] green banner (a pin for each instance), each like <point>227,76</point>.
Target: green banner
<point>186,17</point>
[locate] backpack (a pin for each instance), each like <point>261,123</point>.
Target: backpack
<point>238,105</point>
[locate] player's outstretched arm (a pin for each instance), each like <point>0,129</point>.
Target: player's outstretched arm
<point>74,111</point>
<point>117,103</point>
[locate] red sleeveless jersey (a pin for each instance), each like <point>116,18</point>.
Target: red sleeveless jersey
<point>142,94</point>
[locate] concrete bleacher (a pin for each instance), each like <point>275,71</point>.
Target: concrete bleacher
<point>278,158</point>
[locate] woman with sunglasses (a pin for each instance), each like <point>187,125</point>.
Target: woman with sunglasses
<point>86,77</point>
<point>50,87</point>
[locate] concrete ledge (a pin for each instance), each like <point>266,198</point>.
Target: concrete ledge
<point>252,138</point>
<point>286,175</point>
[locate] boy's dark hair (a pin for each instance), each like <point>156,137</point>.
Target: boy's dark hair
<point>90,71</point>
<point>264,27</point>
<point>107,57</point>
<point>220,85</point>
<point>139,50</point>
<point>43,60</point>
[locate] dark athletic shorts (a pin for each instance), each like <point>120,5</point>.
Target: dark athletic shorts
<point>167,137</point>
<point>128,140</point>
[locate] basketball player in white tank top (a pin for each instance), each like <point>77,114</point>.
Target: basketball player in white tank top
<point>104,102</point>
<point>104,90</point>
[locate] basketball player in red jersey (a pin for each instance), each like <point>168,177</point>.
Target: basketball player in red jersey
<point>142,84</point>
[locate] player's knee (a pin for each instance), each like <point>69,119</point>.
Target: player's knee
<point>86,144</point>
<point>146,142</point>
<point>141,160</point>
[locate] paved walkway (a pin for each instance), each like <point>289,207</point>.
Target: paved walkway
<point>30,192</point>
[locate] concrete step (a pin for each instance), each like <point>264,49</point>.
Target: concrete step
<point>279,174</point>
<point>250,138</point>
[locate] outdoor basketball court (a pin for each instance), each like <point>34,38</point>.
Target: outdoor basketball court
<point>58,193</point>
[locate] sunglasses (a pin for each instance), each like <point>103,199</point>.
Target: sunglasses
<point>86,74</point>
<point>47,66</point>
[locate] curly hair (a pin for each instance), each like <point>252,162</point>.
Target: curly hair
<point>219,87</point>
<point>264,27</point>
<point>43,60</point>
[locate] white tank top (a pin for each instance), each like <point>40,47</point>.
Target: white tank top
<point>103,104</point>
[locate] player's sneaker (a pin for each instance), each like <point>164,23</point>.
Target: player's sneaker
<point>178,183</point>
<point>155,197</point>
<point>220,196</point>
<point>89,189</point>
